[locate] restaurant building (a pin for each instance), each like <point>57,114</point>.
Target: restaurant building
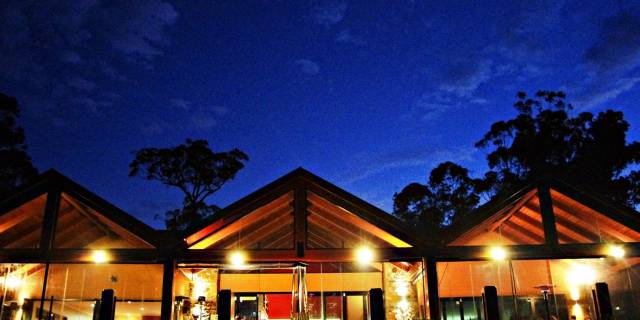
<point>302,248</point>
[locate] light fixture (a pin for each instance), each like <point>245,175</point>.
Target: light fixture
<point>616,251</point>
<point>13,282</point>
<point>99,256</point>
<point>581,274</point>
<point>237,259</point>
<point>364,255</point>
<point>497,253</point>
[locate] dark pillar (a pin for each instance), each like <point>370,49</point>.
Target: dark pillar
<point>491,311</point>
<point>167,289</point>
<point>224,305</point>
<point>604,301</point>
<point>107,305</point>
<point>376,304</point>
<point>432,288</point>
<point>548,218</point>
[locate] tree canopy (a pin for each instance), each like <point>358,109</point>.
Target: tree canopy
<point>193,168</point>
<point>586,150</point>
<point>17,167</point>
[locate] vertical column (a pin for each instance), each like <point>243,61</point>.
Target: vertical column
<point>432,287</point>
<point>300,219</point>
<point>46,238</point>
<point>548,218</point>
<point>167,289</point>
<point>49,221</point>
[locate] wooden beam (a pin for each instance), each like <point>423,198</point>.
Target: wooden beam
<point>568,229</point>
<point>311,255</point>
<point>548,218</point>
<point>49,221</point>
<point>522,231</point>
<point>300,220</point>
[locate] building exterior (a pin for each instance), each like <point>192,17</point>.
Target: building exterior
<point>543,250</point>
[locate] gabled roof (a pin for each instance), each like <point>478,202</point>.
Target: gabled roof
<point>496,211</point>
<point>52,180</point>
<point>310,182</point>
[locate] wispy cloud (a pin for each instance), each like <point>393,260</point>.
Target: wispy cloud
<point>393,159</point>
<point>307,66</point>
<point>38,39</point>
<point>345,36</point>
<point>329,14</point>
<point>618,44</point>
<point>463,77</point>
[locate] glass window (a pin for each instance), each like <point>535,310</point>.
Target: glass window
<point>21,286</point>
<point>79,226</point>
<point>335,290</point>
<point>21,228</point>
<point>74,289</point>
<point>404,290</point>
<point>461,286</point>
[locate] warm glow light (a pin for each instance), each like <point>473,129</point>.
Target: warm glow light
<point>497,253</point>
<point>13,282</point>
<point>574,292</point>
<point>581,275</point>
<point>99,256</point>
<point>237,259</point>
<point>364,255</point>
<point>616,251</point>
<point>403,304</point>
<point>577,312</point>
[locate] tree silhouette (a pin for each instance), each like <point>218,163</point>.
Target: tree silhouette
<point>193,168</point>
<point>588,151</point>
<point>16,167</point>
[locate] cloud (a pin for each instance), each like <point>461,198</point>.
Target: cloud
<point>202,120</point>
<point>40,40</point>
<point>137,27</point>
<point>602,92</point>
<point>307,66</point>
<point>330,13</point>
<point>464,77</point>
<point>81,84</point>
<point>180,104</point>
<point>425,157</point>
<point>618,44</point>
<point>345,36</point>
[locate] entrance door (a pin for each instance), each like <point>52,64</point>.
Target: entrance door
<point>355,306</point>
<point>246,307</point>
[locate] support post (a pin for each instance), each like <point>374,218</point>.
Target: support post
<point>107,305</point>
<point>548,218</point>
<point>432,288</point>
<point>300,219</point>
<point>167,289</point>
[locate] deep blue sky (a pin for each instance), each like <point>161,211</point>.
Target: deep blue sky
<point>369,95</point>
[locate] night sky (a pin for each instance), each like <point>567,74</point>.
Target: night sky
<point>368,95</point>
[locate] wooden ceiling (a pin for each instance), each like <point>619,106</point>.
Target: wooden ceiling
<point>79,226</point>
<point>21,228</point>
<point>268,227</point>
<point>272,227</point>
<point>330,226</point>
<point>522,224</point>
